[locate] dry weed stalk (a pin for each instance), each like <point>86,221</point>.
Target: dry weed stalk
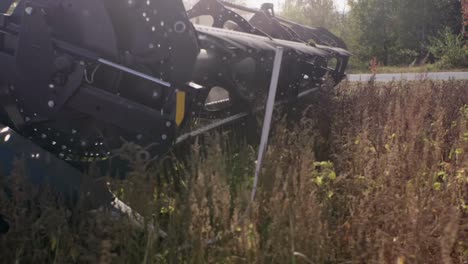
<point>370,174</point>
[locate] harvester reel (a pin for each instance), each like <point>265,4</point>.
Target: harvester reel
<point>79,77</point>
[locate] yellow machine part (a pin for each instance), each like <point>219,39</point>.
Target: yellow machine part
<point>180,107</point>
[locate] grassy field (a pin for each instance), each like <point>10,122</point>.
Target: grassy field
<point>368,174</point>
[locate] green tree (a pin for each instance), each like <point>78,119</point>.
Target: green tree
<point>372,28</point>
<point>316,13</point>
<point>393,29</point>
<point>448,48</point>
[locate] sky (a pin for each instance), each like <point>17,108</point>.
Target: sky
<point>340,4</point>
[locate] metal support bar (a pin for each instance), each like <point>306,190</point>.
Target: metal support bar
<point>212,126</point>
<point>268,116</point>
<point>307,92</point>
<point>233,118</point>
<point>133,72</point>
<point>92,56</point>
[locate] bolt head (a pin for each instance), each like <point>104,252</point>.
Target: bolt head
<point>28,10</point>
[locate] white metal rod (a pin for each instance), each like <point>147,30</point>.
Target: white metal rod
<point>268,116</point>
<point>133,72</point>
<point>230,119</point>
<point>211,126</point>
<point>307,92</point>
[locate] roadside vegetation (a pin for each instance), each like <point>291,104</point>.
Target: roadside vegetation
<point>447,49</point>
<point>405,69</point>
<point>403,35</point>
<point>369,174</point>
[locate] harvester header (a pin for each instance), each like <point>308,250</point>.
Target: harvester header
<point>78,76</point>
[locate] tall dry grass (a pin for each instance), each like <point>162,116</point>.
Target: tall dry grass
<point>370,174</point>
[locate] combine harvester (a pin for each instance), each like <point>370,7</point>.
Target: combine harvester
<point>77,77</point>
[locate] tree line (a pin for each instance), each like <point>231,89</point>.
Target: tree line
<point>393,31</point>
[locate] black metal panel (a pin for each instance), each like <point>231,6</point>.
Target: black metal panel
<point>121,112</point>
<point>34,64</point>
<point>84,23</point>
<point>156,34</point>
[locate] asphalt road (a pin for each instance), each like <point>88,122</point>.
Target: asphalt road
<point>409,76</point>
